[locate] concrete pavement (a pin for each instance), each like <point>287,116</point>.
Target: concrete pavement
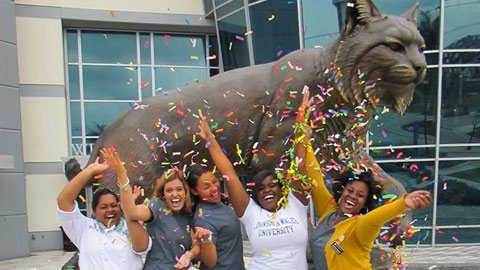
<point>417,258</point>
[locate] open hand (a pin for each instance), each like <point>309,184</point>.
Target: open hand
<point>113,160</point>
<point>137,190</point>
<point>205,131</point>
<point>184,261</point>
<point>97,167</point>
<point>203,234</point>
<point>418,199</point>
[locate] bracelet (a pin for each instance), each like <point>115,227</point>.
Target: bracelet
<point>206,240</point>
<point>125,186</point>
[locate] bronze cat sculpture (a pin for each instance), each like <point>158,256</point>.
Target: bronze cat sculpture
<point>377,58</point>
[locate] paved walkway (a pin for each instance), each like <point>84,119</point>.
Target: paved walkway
<point>417,258</point>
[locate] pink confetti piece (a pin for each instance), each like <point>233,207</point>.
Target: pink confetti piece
<point>239,38</point>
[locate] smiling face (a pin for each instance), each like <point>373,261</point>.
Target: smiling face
<point>174,195</point>
<point>108,211</point>
<point>268,193</point>
<point>353,198</point>
<point>208,188</point>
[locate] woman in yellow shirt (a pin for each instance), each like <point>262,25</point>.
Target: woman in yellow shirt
<point>348,223</point>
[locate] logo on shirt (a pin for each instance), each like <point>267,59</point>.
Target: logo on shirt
<point>275,227</point>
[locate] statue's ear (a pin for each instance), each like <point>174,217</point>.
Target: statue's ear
<point>359,12</point>
<point>411,14</point>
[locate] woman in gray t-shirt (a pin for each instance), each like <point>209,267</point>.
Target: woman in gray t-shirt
<point>168,217</point>
<point>224,249</point>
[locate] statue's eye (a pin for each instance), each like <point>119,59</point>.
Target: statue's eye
<point>396,47</point>
<point>422,48</point>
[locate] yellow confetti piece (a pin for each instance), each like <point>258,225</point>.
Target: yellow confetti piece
<point>248,33</point>
<point>142,192</point>
<point>266,252</point>
<point>194,138</point>
<point>82,198</point>
<point>271,18</point>
<point>175,135</point>
<point>200,112</point>
<point>194,57</point>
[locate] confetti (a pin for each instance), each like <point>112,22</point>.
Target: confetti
<point>271,18</point>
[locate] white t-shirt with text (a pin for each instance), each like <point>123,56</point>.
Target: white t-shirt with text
<point>279,240</point>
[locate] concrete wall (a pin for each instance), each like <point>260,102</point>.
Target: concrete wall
<point>193,7</point>
<point>13,217</point>
<point>40,95</point>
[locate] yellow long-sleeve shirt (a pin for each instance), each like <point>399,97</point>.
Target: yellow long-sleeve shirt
<point>354,235</point>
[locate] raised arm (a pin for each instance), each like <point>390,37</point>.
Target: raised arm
<point>66,198</point>
<point>303,134</point>
<point>130,210</point>
<point>236,192</point>
<point>370,224</point>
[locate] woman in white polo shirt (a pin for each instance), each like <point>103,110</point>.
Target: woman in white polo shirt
<point>103,241</point>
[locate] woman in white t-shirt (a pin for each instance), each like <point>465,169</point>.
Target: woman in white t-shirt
<point>107,241</point>
<point>279,236</point>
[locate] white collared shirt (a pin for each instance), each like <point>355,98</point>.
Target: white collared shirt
<point>101,247</point>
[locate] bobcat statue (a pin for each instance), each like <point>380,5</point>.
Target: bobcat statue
<point>377,58</point>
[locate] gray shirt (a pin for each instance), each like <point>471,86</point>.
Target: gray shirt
<point>170,233</point>
<point>320,236</point>
<point>221,220</point>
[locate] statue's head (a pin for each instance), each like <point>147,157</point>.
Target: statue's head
<point>388,50</point>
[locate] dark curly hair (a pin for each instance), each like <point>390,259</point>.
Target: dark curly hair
<point>99,193</point>
<point>258,179</point>
<point>374,188</point>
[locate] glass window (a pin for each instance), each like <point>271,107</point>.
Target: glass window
<point>422,237</point>
<point>414,176</point>
<point>214,71</point>
<point>275,30</point>
<point>458,193</point>
<point>104,82</point>
<point>208,6</point>
<point>402,153</point>
<point>109,47</point>
<point>320,33</point>
<point>179,50</point>
<point>233,41</point>
<point>75,119</point>
<point>417,126</point>
<point>73,85</point>
<point>170,78</point>
<point>229,8</point>
<point>458,235</point>
<point>76,147</point>
<point>219,2</point>
<point>460,105</point>
<point>213,51</point>
<point>460,151</point>
<point>109,80</point>
<point>145,48</point>
<point>72,46</point>
<point>461,57</point>
<point>461,24</point>
<point>91,144</point>
<point>98,115</point>
<point>428,22</point>
<point>432,58</point>
<point>146,85</point>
